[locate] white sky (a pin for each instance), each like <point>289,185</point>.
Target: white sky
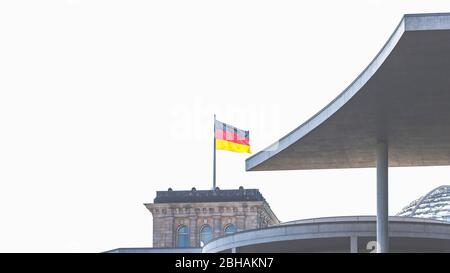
<point>104,102</point>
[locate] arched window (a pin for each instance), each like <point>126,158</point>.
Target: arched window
<point>230,229</point>
<point>183,236</point>
<point>205,234</point>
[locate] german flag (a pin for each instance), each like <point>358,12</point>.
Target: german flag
<point>231,138</point>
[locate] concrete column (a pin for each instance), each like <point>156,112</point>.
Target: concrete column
<point>353,244</point>
<point>382,198</point>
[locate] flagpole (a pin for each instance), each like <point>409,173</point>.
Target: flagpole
<point>214,158</point>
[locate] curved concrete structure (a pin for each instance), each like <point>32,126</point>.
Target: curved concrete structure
<point>396,113</point>
<point>338,234</point>
<point>402,97</point>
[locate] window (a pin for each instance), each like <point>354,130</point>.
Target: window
<point>230,229</point>
<point>183,236</point>
<point>205,234</point>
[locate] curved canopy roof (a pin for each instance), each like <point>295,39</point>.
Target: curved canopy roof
<point>403,97</point>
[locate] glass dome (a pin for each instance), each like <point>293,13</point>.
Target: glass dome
<point>434,205</point>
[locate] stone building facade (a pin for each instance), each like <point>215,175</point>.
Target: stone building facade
<point>192,218</point>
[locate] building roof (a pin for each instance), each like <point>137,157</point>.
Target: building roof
<point>402,97</point>
<point>198,196</point>
<point>433,205</point>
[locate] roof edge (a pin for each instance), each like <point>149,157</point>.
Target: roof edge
<point>409,22</point>
<point>252,162</point>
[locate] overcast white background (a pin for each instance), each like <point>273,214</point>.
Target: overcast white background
<point>102,103</point>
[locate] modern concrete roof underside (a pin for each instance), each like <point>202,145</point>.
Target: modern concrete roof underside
<point>402,97</point>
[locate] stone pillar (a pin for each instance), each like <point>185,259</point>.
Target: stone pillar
<point>240,222</point>
<point>251,219</point>
<point>217,226</point>
<point>158,237</point>
<point>169,233</point>
<point>193,232</point>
